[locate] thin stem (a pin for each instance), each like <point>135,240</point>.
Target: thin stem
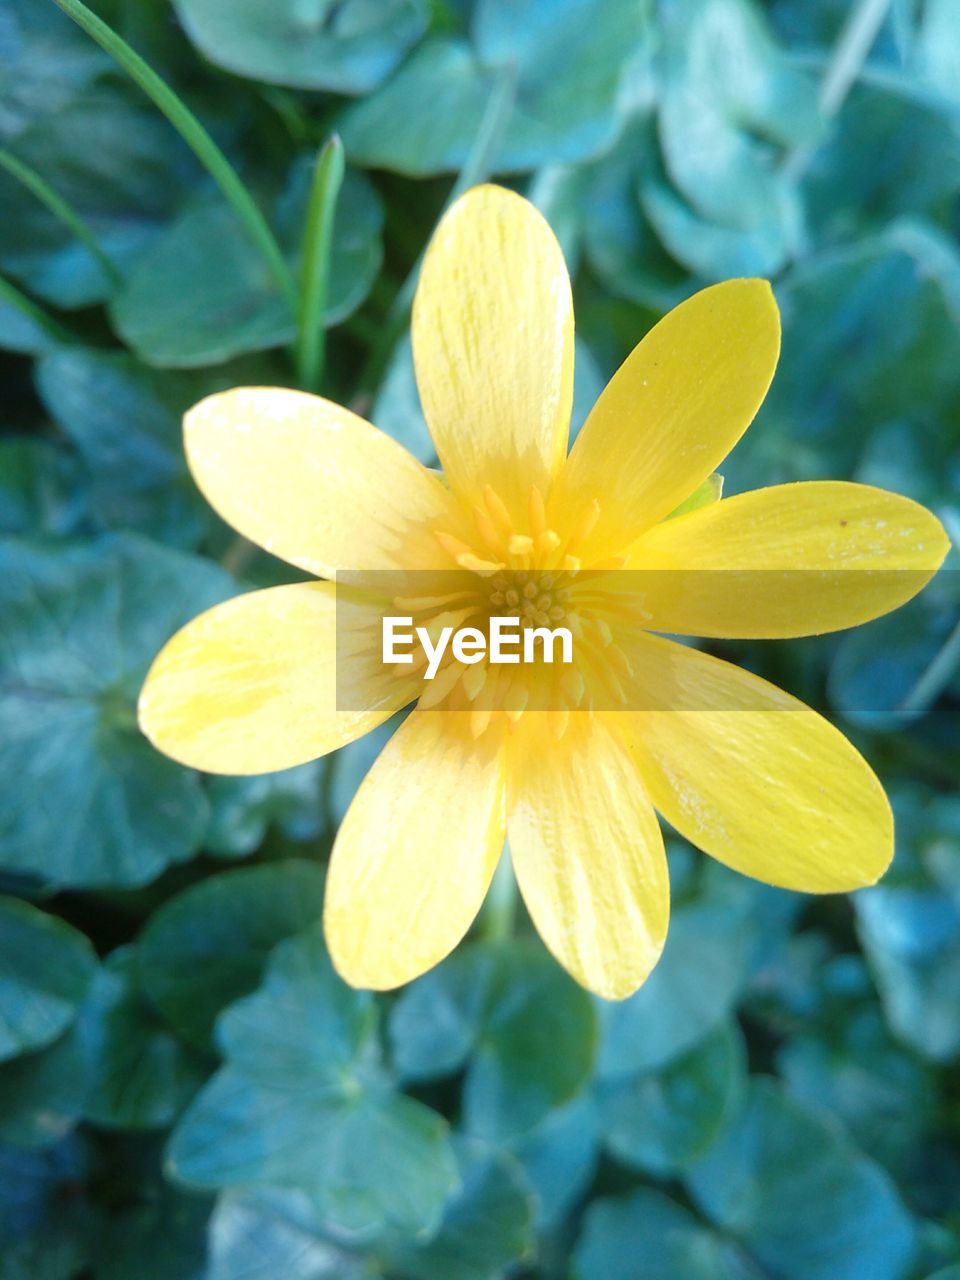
<point>59,207</point>
<point>856,40</point>
<point>943,667</point>
<point>33,311</point>
<point>477,168</point>
<point>499,913</point>
<point>315,275</point>
<point>849,54</point>
<point>936,677</point>
<point>194,135</point>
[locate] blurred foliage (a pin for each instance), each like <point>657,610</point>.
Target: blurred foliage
<point>187,1092</point>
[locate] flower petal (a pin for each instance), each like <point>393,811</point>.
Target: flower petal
<point>313,483</point>
<point>752,776</point>
<point>416,851</point>
<point>672,412</point>
<point>493,346</point>
<point>588,852</point>
<point>792,560</point>
<point>250,685</point>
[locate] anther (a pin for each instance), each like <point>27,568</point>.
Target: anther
<point>519,544</point>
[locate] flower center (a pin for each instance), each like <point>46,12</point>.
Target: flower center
<point>532,572</point>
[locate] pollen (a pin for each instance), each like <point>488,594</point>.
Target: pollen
<point>519,564</point>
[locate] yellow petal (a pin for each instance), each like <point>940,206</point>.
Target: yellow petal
<point>672,412</point>
<point>250,685</point>
<point>313,483</point>
<point>493,347</point>
<point>416,851</point>
<point>752,776</point>
<point>588,852</point>
<point>793,560</point>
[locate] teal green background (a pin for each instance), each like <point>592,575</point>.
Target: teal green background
<point>187,1091</point>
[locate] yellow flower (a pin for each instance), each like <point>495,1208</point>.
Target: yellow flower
<point>739,768</point>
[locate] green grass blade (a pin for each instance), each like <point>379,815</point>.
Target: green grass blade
<point>33,311</point>
<point>315,276</point>
<point>60,208</point>
<point>193,133</point>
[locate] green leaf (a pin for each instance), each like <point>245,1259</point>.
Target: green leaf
<point>728,96</point>
<point>647,1236</point>
<point>42,1093</point>
<point>302,1103</point>
<point>712,251</point>
<point>524,1031</point>
<point>42,1221</point>
<point>486,1226</point>
<point>620,244</point>
<point>351,764</point>
<point>44,61</point>
<point>242,809</point>
<point>487,1223</point>
<point>41,490</point>
<point>125,421</point>
<point>800,1197</point>
<point>138,1075</point>
<point>202,295</point>
<point>121,169</point>
<point>263,1234</point>
<point>208,945</point>
<point>567,68</point>
<point>46,968</point>
<point>711,490</point>
<point>689,994</point>
<point>559,1157</point>
<point>912,940</point>
<point>163,1239</point>
<point>79,625</point>
<point>343,48</point>
<point>847,193</point>
<point>663,1120</point>
<point>821,412</point>
<point>887,1098</point>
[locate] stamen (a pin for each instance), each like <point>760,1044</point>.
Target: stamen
<point>619,660</point>
<point>473,679</point>
<point>537,512</point>
<point>476,565</point>
<point>516,702</point>
<point>559,721</point>
<point>497,508</point>
<point>414,604</point>
<point>572,686</point>
<point>585,525</point>
<point>453,546</point>
<point>443,683</point>
<point>487,529</point>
